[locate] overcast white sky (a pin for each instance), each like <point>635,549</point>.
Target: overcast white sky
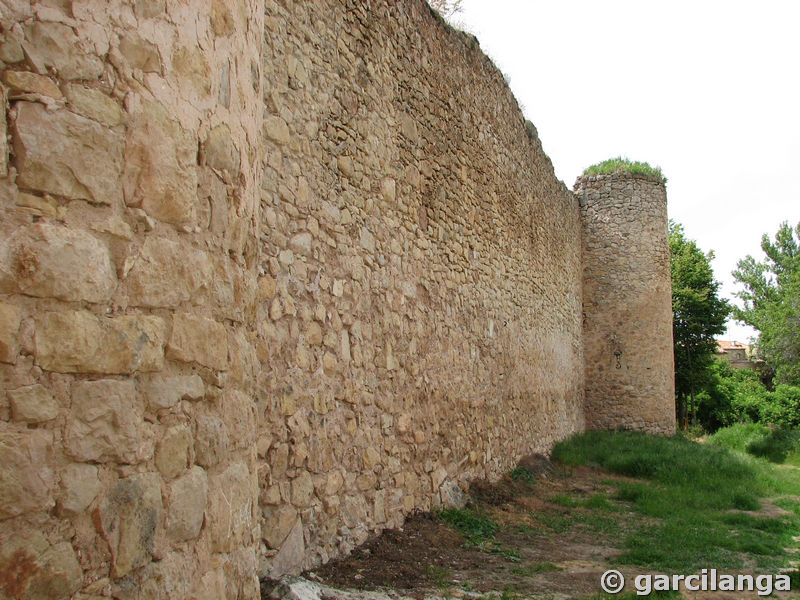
<point>707,90</point>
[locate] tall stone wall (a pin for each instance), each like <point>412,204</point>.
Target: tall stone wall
<point>627,303</point>
<point>272,276</point>
<point>129,254</point>
<point>419,317</point>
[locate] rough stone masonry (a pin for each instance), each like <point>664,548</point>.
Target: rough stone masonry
<point>275,274</point>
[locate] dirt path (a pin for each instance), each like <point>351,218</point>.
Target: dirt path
<point>554,538</point>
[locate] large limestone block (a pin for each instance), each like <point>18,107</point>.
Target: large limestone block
<point>200,340</point>
<point>65,154</point>
<point>104,422</point>
<point>187,505</point>
<point>239,415</point>
<point>80,485</point>
<point>166,392</point>
<point>10,319</point>
<point>80,342</point>
<point>56,46</point>
<point>167,273</point>
<point>290,557</point>
<point>211,441</point>
<point>160,166</point>
<point>231,497</point>
<point>31,83</point>
<point>93,104</point>
<point>220,152</point>
<point>172,451</point>
<point>32,404</point>
<point>51,261</point>
<point>129,520</point>
<point>25,472</point>
<point>39,570</point>
<point>278,522</point>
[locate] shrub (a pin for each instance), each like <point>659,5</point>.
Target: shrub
<point>782,407</point>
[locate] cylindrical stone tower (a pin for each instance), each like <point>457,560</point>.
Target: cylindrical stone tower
<point>627,303</point>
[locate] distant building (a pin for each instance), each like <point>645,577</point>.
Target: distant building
<point>739,355</point>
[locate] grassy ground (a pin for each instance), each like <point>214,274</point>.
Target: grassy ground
<point>702,499</point>
<point>780,446</point>
<point>626,501</point>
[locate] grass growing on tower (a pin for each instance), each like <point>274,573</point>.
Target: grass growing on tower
<point>624,165</point>
<point>692,494</point>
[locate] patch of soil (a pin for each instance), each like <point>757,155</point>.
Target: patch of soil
<point>400,558</point>
<point>541,548</point>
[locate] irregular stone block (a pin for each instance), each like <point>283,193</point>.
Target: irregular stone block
<point>50,261</point>
<point>166,392</point>
<point>65,154</point>
<point>219,150</point>
<point>140,53</point>
<point>172,451</point>
<point>301,243</point>
<point>222,23</point>
<point>200,340</point>
<point>232,495</point>
<point>104,421</point>
<point>162,177</point>
<point>277,524</point>
<point>290,557</point>
<point>80,342</point>
<point>27,82</point>
<point>211,441</point>
<point>239,415</point>
<point>191,68</point>
<point>35,569</point>
<point>25,472</point>
<point>55,45</point>
<point>37,206</point>
<point>128,520</point>
<point>276,129</point>
<point>167,273</point>
<point>80,485</point>
<point>33,404</point>
<point>187,505</point>
<point>93,104</point>
<point>302,490</point>
<point>453,496</point>
<point>10,319</point>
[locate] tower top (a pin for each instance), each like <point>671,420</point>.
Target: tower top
<point>620,167</point>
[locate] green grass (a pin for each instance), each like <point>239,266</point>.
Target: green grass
<point>739,436</point>
<point>688,492</point>
<point>780,446</point>
<point>532,569</point>
<point>439,576</point>
<point>522,474</point>
<point>623,165</point>
<point>473,523</point>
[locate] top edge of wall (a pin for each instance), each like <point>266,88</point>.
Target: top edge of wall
<point>472,44</point>
<point>602,177</point>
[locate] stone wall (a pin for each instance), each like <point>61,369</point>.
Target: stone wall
<point>627,303</point>
<point>419,319</point>
<point>129,219</point>
<point>272,276</point>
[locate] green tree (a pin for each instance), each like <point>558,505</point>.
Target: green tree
<point>772,302</point>
<point>698,314</point>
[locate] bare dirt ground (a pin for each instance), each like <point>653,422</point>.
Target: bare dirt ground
<point>555,538</point>
<point>541,549</point>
